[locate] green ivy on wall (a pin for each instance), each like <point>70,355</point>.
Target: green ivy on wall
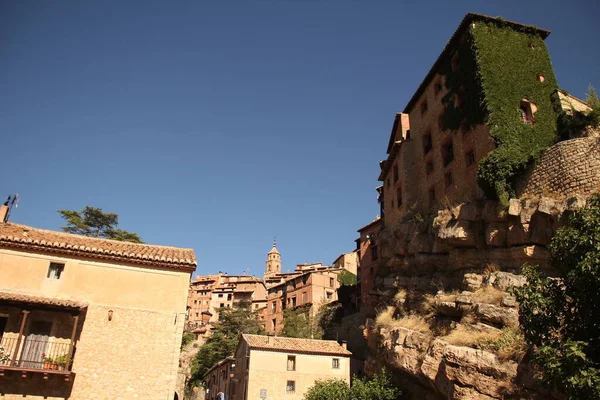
<point>497,66</point>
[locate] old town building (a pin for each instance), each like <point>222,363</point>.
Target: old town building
<point>369,260</point>
<point>275,367</point>
<point>218,381</point>
<point>89,318</point>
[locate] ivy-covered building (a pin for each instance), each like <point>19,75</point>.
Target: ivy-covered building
<point>485,111</point>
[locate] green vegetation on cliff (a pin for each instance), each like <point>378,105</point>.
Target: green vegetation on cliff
<point>561,317</point>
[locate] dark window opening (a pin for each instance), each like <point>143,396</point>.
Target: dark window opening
<point>437,88</point>
<point>427,143</point>
<point>432,196</point>
<point>290,387</point>
<point>429,167</point>
<point>470,158</point>
<point>408,134</point>
<point>291,363</point>
<point>448,178</point>
<point>55,270</point>
<point>374,254</point>
<point>527,110</point>
<point>395,173</point>
<point>447,153</point>
<point>335,363</point>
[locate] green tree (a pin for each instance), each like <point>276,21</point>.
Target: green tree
<point>298,323</point>
<point>346,278</point>
<point>592,98</point>
<point>379,387</point>
<point>91,221</point>
<point>560,316</point>
<point>223,342</point>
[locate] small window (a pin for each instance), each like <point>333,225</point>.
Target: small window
<point>273,324</point>
<point>274,306</point>
<point>399,197</point>
<point>448,179</point>
<point>331,282</point>
<point>196,314</point>
<point>437,88</point>
<point>432,195</point>
<point>448,153</point>
<point>329,295</point>
<point>290,387</point>
<point>395,173</point>
<point>527,110</point>
<point>335,363</point>
<point>423,107</point>
<point>374,255</point>
<point>540,77</point>
<point>220,295</point>
<point>291,363</point>
<point>408,134</point>
<point>470,158</point>
<point>293,301</point>
<point>429,167</point>
<point>55,270</point>
<point>195,301</point>
<point>427,143</point>
<point>229,297</point>
<point>222,305</point>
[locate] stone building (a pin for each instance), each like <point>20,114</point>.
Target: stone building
<point>89,318</point>
<point>218,381</point>
<point>274,367</point>
<point>348,261</point>
<point>369,258</point>
<point>438,141</point>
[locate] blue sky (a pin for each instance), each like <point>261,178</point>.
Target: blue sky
<point>218,125</point>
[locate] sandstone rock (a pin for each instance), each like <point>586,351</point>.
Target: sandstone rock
<point>497,315</point>
<point>514,207</point>
<point>457,233</point>
<point>576,202</point>
<point>464,298</point>
<point>467,393</point>
<point>541,229</point>
<point>420,243</point>
<point>528,208</point>
<point>472,282</point>
<point>468,212</point>
<point>493,213</point>
<point>509,301</point>
<point>388,281</point>
<point>495,234</point>
<point>517,234</point>
<point>504,280</point>
<point>448,308</point>
<point>546,206</point>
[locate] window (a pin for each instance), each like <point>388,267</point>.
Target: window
<point>395,173</point>
<point>329,295</point>
<point>55,270</point>
<point>293,301</point>
<point>448,153</point>
<point>427,143</point>
<point>229,297</point>
<point>330,282</point>
<point>196,315</point>
<point>195,301</point>
<point>290,387</point>
<point>399,197</point>
<point>429,167</point>
<point>374,254</point>
<point>423,107</point>
<point>470,158</point>
<point>539,77</point>
<point>437,88</point>
<point>222,305</point>
<point>527,110</point>
<point>408,134</point>
<point>448,178</point>
<point>274,306</point>
<point>291,363</point>
<point>431,196</point>
<point>335,363</point>
<point>274,324</point>
<point>220,295</point>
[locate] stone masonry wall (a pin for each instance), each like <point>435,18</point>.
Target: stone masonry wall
<point>567,168</point>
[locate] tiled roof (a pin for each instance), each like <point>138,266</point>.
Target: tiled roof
<point>26,237</point>
<point>294,345</point>
<point>22,297</point>
<point>370,224</point>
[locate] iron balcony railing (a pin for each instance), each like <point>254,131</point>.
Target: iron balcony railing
<point>43,354</point>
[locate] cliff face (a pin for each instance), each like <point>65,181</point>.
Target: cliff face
<point>447,321</point>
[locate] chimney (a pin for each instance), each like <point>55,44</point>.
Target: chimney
<point>344,344</point>
<point>4,213</point>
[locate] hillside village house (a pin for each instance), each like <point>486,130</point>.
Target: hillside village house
<point>85,318</point>
<point>275,367</point>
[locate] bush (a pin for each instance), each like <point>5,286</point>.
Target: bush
<point>379,387</point>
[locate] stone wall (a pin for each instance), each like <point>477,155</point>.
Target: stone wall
<point>567,168</point>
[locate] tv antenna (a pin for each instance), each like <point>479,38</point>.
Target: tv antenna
<point>11,202</point>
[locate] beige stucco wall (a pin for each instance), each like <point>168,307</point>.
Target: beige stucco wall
<point>133,356</point>
<point>268,370</point>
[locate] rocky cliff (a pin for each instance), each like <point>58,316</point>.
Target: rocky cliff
<point>446,319</point>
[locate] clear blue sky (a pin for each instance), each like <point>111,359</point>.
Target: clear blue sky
<point>217,125</point>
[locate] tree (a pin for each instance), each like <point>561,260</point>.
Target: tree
<point>592,98</point>
<point>223,342</point>
<point>560,316</point>
<point>379,387</point>
<point>298,323</point>
<point>91,221</point>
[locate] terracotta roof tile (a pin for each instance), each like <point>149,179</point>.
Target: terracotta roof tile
<point>22,297</point>
<point>311,346</point>
<point>22,236</point>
